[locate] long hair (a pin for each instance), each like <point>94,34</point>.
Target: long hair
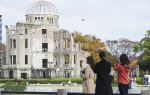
<point>90,61</point>
<point>124,60</point>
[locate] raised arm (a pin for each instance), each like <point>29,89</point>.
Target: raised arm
<point>86,75</point>
<point>116,66</point>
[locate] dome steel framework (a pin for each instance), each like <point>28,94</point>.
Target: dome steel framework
<point>42,7</point>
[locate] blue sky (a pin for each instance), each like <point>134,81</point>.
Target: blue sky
<point>106,19</point>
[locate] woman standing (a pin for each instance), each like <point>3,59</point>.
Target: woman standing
<point>88,82</point>
<point>122,69</point>
<point>103,81</point>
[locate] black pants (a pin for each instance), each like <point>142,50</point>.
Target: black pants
<point>123,89</point>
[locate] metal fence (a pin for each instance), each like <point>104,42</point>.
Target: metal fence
<point>45,93</point>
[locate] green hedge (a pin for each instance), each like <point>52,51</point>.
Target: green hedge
<point>14,86</point>
<point>6,80</point>
<point>11,80</point>
<point>44,81</point>
<point>55,81</point>
<point>139,80</point>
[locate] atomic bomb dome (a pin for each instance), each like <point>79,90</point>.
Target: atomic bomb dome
<point>42,7</point>
<point>37,47</point>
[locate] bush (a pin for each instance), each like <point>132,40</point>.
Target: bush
<point>139,80</point>
<point>14,86</point>
<point>6,80</point>
<point>45,81</point>
<point>32,81</point>
<point>77,80</point>
<point>60,80</point>
<point>54,81</point>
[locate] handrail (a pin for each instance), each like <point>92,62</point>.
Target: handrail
<point>53,93</point>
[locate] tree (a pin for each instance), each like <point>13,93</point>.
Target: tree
<point>2,53</point>
<point>2,47</point>
<point>144,47</point>
<point>117,47</point>
<point>89,43</point>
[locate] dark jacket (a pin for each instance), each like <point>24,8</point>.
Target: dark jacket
<point>103,81</point>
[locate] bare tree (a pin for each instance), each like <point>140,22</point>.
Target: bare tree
<point>117,47</point>
<point>2,46</point>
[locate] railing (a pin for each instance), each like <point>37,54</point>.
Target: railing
<point>27,93</point>
<point>46,93</point>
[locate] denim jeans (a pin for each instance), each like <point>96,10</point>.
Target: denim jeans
<point>123,89</point>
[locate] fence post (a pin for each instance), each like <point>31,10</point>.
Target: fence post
<point>61,92</point>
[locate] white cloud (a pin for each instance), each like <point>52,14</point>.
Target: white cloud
<point>107,19</point>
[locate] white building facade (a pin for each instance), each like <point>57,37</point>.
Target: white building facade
<point>0,28</point>
<point>38,48</point>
